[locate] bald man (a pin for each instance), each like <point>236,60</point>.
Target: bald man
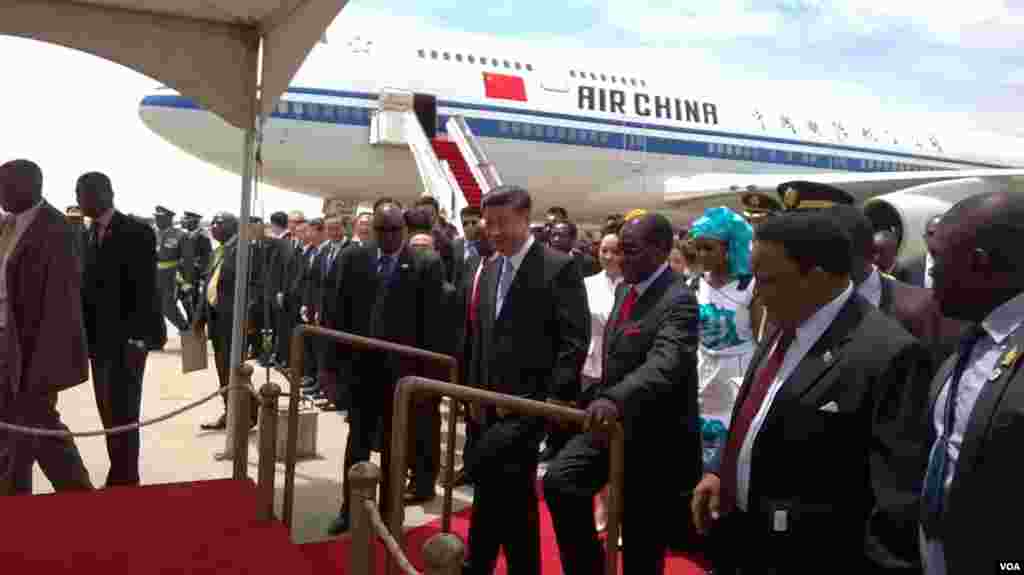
<point>42,346</point>
<point>976,428</point>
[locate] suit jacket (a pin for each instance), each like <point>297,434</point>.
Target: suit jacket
<point>650,369</point>
<point>460,312</point>
<point>119,295</point>
<point>46,345</point>
<point>224,309</point>
<point>588,265</point>
<point>196,250</point>
<point>404,309</point>
<point>850,480</point>
<point>916,309</point>
<point>536,348</point>
<point>986,484</point>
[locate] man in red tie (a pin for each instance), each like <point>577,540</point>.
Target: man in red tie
<point>828,428</point>
<point>649,382</point>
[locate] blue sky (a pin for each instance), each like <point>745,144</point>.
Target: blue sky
<point>957,59</point>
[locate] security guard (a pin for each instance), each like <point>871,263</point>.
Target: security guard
<point>168,259</point>
<point>196,249</point>
<point>801,196</point>
<point>757,206</point>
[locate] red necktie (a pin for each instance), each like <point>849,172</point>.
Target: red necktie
<point>474,301</point>
<point>627,306</point>
<point>745,416</point>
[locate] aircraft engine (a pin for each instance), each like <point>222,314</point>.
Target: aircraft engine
<point>907,211</point>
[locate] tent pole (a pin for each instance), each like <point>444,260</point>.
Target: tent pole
<point>237,447</point>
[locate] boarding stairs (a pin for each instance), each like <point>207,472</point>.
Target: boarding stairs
<point>453,166</point>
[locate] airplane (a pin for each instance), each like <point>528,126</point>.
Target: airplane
<point>589,136</point>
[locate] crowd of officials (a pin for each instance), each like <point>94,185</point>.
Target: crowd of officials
<point>872,423</point>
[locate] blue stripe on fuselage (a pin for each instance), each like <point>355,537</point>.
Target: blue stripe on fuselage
<point>547,133</point>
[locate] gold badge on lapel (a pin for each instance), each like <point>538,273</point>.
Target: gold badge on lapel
<point>791,198</point>
<point>1009,358</point>
<point>827,356</point>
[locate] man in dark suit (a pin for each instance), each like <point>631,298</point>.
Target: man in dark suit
<point>649,382</point>
<point>217,309</point>
<point>533,338</point>
<point>122,317</point>
<point>392,292</point>
<point>196,250</point>
<point>563,237</point>
<point>912,306</point>
<point>976,401</point>
<point>826,442</point>
<point>467,246</point>
<point>282,258</point>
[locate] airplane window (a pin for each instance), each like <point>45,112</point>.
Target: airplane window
<point>604,78</point>
<point>458,57</point>
<point>529,67</point>
<point>433,54</point>
<point>447,56</point>
<point>614,80</point>
<point>561,133</point>
<point>519,66</point>
<point>572,73</point>
<point>494,62</point>
<point>471,59</point>
<point>422,53</point>
<point>507,65</point>
<point>642,83</point>
<point>593,76</point>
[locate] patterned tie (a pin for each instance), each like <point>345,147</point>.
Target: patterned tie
<point>938,460</point>
<point>211,288</point>
<point>745,417</point>
<point>626,309</point>
<point>505,277</point>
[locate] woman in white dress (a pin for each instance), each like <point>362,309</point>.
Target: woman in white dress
<point>728,314</point>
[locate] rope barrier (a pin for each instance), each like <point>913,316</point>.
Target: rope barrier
<point>41,432</point>
<point>389,541</point>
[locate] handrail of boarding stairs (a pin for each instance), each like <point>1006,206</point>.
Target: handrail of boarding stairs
<point>484,171</point>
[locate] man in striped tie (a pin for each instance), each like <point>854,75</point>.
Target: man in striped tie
<point>823,461</point>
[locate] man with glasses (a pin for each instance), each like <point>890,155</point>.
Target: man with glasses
<point>389,291</point>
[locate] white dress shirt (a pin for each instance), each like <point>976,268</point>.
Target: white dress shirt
<point>998,326</point>
<point>601,299</point>
<point>807,334</point>
<point>929,262</point>
<point>871,288</point>
<point>514,261</point>
<point>21,223</point>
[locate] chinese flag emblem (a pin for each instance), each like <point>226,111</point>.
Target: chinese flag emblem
<point>504,87</point>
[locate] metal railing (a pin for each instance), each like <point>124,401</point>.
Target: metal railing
<point>361,343</point>
<point>410,386</point>
<point>443,553</point>
<point>484,171</point>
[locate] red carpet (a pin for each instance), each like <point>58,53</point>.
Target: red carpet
<point>205,527</point>
<point>330,556</point>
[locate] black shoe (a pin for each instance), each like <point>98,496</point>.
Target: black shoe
<point>217,424</point>
<point>340,524</point>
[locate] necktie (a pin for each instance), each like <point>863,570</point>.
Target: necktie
<point>211,288</point>
<point>384,266</point>
<point>474,300</point>
<point>505,278</point>
<point>7,227</point>
<point>745,417</point>
<point>626,309</point>
<point>97,233</point>
<point>938,460</point>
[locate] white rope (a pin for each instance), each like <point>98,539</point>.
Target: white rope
<point>40,432</point>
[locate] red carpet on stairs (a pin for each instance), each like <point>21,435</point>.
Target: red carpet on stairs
<point>332,556</point>
<point>206,527</point>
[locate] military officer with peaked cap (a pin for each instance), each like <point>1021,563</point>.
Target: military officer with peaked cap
<point>168,261</point>
<point>802,195</point>
<point>757,205</point>
<point>196,250</point>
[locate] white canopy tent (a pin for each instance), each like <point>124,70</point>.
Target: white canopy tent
<point>233,57</point>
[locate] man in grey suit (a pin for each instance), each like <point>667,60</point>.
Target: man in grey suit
<point>977,398</point>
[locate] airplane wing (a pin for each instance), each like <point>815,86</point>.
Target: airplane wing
<point>694,191</point>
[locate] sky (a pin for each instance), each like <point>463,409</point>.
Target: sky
<point>958,63</point>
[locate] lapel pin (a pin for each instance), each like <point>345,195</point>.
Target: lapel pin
<point>996,374</point>
<point>405,266</point>
<point>1009,358</point>
<point>827,356</point>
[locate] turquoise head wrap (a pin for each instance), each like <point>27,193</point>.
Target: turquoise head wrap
<point>726,225</point>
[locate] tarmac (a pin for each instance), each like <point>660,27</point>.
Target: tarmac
<point>177,450</point>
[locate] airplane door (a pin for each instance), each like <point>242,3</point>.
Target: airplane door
<point>425,106</point>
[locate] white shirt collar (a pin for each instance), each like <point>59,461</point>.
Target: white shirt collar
<point>871,288</point>
<point>813,327</point>
<point>1005,319</point>
<point>642,286</point>
<point>516,259</point>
